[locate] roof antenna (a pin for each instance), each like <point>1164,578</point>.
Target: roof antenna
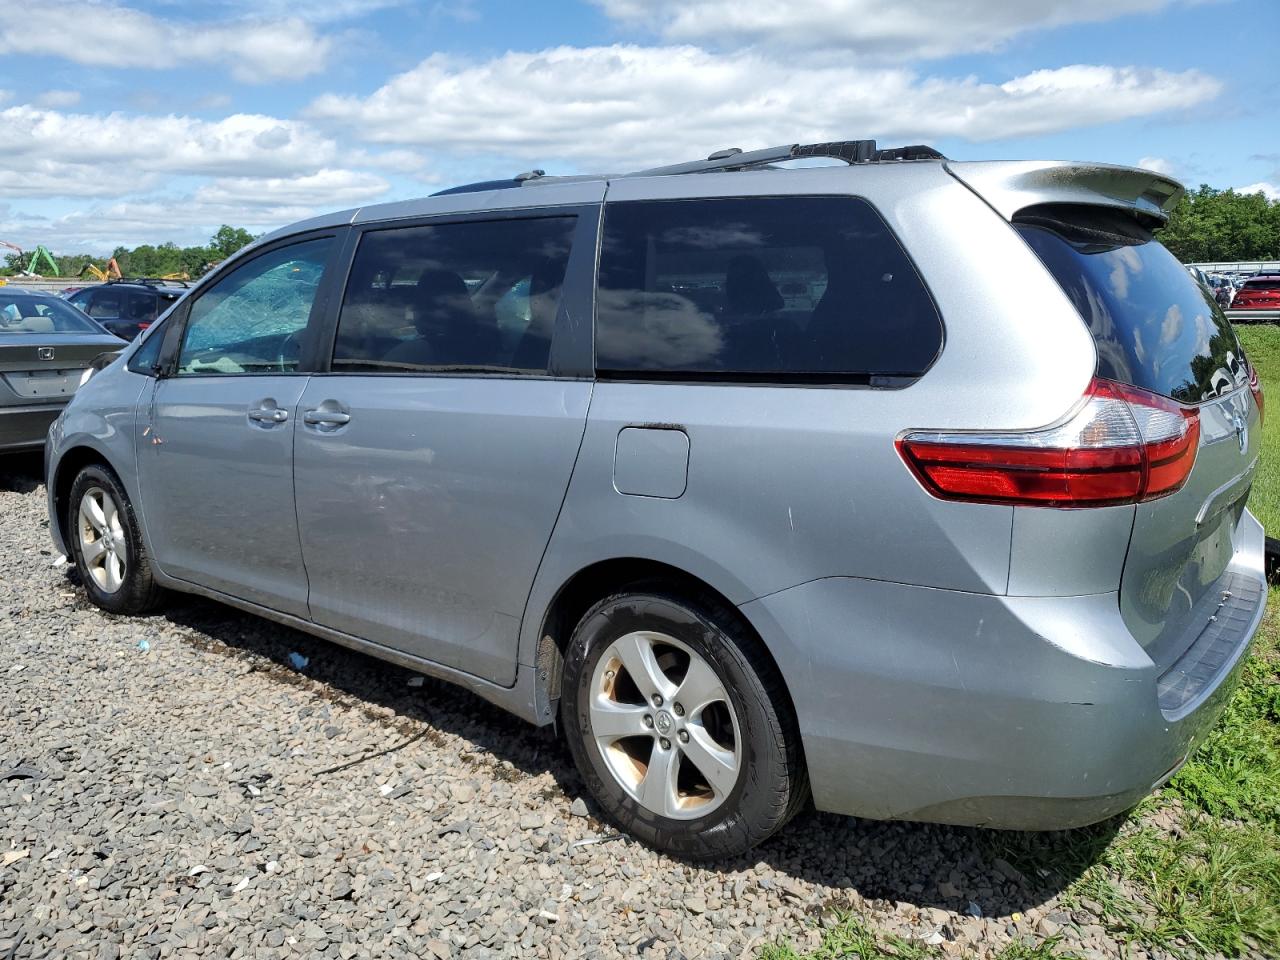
<point>529,175</point>
<point>725,154</point>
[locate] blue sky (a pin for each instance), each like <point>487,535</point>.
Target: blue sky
<point>124,124</point>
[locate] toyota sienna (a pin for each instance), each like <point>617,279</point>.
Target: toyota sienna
<point>914,487</point>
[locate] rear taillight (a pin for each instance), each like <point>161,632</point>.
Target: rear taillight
<point>1122,445</point>
<point>1255,387</point>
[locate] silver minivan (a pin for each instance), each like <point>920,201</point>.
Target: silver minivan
<point>913,487</point>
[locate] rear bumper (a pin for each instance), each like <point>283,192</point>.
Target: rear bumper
<point>25,428</point>
<point>1013,712</point>
<point>1252,314</point>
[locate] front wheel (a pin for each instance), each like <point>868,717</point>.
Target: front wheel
<point>678,722</point>
<point>107,544</point>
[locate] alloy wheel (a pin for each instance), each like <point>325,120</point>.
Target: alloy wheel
<point>665,725</point>
<point>103,544</point>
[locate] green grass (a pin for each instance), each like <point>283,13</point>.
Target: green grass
<point>1210,882</point>
<point>850,938</point>
<point>1195,870</point>
<point>1261,344</point>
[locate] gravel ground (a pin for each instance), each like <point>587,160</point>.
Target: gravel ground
<point>171,787</point>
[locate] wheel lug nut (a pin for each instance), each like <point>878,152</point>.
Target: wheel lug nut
<point>666,744</point>
<point>684,736</point>
<point>657,699</point>
<point>679,709</point>
<point>648,720</point>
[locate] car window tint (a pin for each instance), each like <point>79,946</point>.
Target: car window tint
<point>479,296</point>
<point>251,321</point>
<point>797,288</point>
<point>140,306</point>
<point>105,304</point>
<point>1153,325</point>
<point>81,299</point>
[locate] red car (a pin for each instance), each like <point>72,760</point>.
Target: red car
<point>1258,293</point>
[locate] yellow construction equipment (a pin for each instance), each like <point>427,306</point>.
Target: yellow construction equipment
<point>109,272</point>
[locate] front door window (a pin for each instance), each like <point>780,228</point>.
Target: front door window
<point>252,320</point>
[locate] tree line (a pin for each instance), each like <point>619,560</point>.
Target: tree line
<point>146,260</point>
<point>1211,225</point>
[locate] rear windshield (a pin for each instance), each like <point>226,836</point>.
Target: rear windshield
<point>24,314</point>
<point>806,289</point>
<point>1154,326</point>
<point>1272,284</point>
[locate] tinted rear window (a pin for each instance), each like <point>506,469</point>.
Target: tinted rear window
<point>1154,326</point>
<point>1261,285</point>
<point>804,288</point>
<point>477,296</point>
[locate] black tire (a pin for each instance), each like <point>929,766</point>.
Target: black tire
<point>771,784</point>
<point>138,592</point>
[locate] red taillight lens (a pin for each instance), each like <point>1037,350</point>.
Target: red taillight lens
<point>1122,445</point>
<point>1255,387</point>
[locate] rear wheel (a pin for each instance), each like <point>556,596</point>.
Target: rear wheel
<point>107,544</point>
<point>678,723</point>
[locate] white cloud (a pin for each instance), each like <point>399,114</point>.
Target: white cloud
<point>181,219</point>
<point>328,11</point>
<point>50,178</point>
<point>892,31</point>
<point>106,35</point>
<point>1157,165</point>
<point>58,98</point>
<point>1270,190</point>
<point>213,101</point>
<point>262,172</point>
<point>392,161</point>
<point>630,104</point>
<point>464,11</point>
<point>111,146</point>
<point>327,188</point>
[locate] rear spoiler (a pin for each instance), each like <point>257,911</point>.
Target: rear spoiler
<point>1010,186</point>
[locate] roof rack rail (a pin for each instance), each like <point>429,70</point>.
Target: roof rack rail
<point>850,151</point>
<point>150,281</point>
<point>478,187</point>
<point>732,158</point>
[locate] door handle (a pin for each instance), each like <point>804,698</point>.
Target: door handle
<point>275,415</point>
<point>326,418</point>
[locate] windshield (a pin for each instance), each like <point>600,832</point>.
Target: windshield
<point>1153,325</point>
<point>20,313</point>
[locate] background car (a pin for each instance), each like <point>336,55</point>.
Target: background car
<point>1223,289</point>
<point>127,307</point>
<point>1261,292</point>
<point>1200,276</point>
<point>46,346</point>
